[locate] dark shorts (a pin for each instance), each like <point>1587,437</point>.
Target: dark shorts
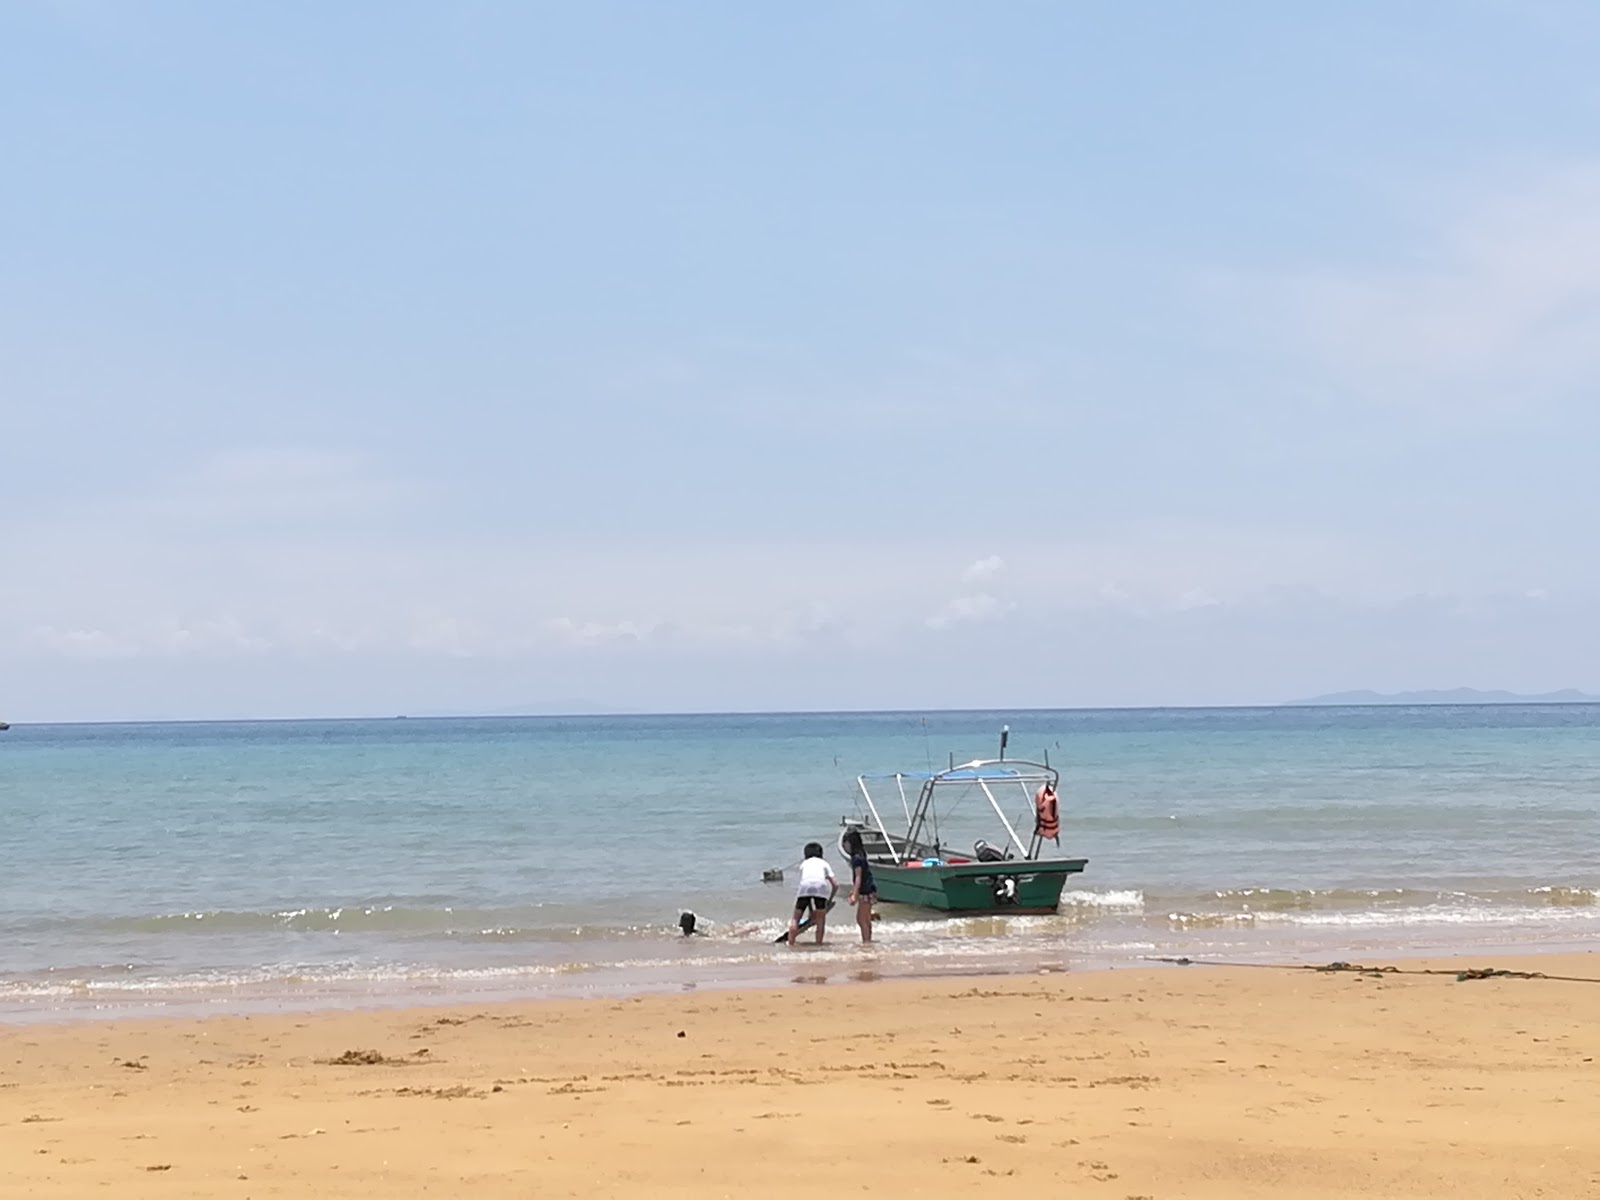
<point>805,904</point>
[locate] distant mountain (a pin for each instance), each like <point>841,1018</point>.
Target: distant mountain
<point>1453,696</point>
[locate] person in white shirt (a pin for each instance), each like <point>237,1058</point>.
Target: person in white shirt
<point>815,894</point>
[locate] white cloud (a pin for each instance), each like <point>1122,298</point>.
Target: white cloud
<point>91,644</point>
<point>220,637</point>
<point>108,587</point>
<point>589,633</point>
<point>1195,598</point>
<point>447,635</point>
<point>1251,649</point>
<point>153,596</point>
<point>983,569</point>
<point>981,608</point>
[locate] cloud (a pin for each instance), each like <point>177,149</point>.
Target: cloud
<point>105,588</point>
<point>983,569</point>
<point>440,634</point>
<point>148,584</point>
<point>782,631</point>
<point>222,638</point>
<point>970,610</point>
<point>589,633</point>
<point>1258,649</point>
<point>978,607</point>
<point>89,644</point>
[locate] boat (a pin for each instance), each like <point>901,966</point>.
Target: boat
<point>925,861</point>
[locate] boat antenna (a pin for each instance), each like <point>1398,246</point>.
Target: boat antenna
<point>1005,736</point>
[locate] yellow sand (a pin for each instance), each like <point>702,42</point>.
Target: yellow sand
<point>1163,1083</point>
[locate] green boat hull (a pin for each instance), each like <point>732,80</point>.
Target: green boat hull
<point>1013,886</point>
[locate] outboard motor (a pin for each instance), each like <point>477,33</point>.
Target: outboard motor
<point>985,852</point>
<point>1005,890</point>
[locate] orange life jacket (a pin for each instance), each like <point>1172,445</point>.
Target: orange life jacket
<point>1046,815</point>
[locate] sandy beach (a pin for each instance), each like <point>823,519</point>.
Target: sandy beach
<point>1161,1082</point>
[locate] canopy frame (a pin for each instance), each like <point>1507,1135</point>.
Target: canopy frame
<point>989,775</point>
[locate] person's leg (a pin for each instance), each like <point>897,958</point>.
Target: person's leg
<point>864,916</point>
<point>820,919</point>
<point>794,924</point>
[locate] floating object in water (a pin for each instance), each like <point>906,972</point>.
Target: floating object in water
<point>772,875</point>
<point>687,922</point>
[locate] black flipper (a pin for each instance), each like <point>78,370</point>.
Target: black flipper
<point>803,926</point>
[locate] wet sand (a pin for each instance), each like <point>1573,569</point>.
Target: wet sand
<point>1158,1083</point>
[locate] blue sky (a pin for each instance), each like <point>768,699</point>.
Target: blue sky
<point>376,358</point>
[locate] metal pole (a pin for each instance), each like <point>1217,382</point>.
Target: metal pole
<point>873,809</point>
<point>919,819</point>
<point>1036,843</point>
<point>995,804</point>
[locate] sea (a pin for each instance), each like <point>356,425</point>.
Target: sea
<point>190,868</point>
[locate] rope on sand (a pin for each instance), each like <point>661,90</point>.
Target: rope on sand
<point>1358,969</point>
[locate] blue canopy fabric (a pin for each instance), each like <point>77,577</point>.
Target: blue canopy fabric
<point>987,772</point>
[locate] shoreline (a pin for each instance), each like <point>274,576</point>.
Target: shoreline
<point>843,965</point>
<point>1151,1081</point>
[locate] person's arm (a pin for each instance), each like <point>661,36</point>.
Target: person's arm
<point>855,883</point>
<point>833,885</point>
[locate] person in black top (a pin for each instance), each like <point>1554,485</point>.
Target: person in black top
<point>863,891</point>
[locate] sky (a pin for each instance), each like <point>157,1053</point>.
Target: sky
<point>386,358</point>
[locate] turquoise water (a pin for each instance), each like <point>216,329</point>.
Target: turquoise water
<point>182,866</point>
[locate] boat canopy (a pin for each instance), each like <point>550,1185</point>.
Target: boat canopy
<point>1015,770</point>
<point>935,796</point>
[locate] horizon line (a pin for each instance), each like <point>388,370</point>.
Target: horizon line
<point>1587,701</point>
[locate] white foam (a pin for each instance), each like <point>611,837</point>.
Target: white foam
<point>1390,918</point>
<point>1130,900</point>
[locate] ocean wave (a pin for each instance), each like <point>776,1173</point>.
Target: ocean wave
<point>1564,896</point>
<point>1254,899</point>
<point>1504,916</point>
<point>527,922</point>
<point>1265,898</point>
<point>1121,900</point>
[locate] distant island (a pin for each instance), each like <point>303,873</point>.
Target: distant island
<point>1453,696</point>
